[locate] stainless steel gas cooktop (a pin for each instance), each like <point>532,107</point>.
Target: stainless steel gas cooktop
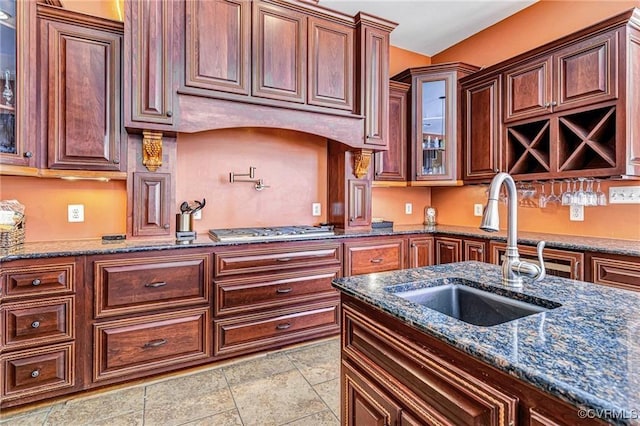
<point>270,234</point>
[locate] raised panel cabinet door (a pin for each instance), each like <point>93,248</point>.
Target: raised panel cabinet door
<point>474,250</point>
<point>420,252</point>
<point>218,45</point>
<point>447,250</point>
<point>279,53</point>
<point>613,270</point>
<point>359,203</point>
<point>331,74</point>
<point>151,203</point>
<point>83,97</point>
<point>481,125</point>
<point>527,90</point>
<point>391,165</point>
<point>149,26</point>
<point>587,72</point>
<point>376,86</point>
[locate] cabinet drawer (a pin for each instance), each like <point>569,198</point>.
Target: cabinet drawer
<point>31,323</point>
<point>37,371</point>
<point>269,258</point>
<point>274,290</point>
<point>136,285</point>
<point>41,279</point>
<point>144,343</point>
<point>619,271</point>
<point>255,332</point>
<point>380,256</point>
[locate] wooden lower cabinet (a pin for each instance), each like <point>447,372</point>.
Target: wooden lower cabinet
<point>558,263</point>
<point>613,270</point>
<point>393,374</point>
<point>374,255</point>
<point>452,249</point>
<point>420,251</point>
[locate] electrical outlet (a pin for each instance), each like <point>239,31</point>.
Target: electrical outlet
<point>576,213</point>
<point>408,208</point>
<point>478,209</point>
<point>316,209</point>
<point>75,213</point>
<point>197,215</point>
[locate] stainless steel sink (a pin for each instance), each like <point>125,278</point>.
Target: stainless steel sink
<point>462,299</point>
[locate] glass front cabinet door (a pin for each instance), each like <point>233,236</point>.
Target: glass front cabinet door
<point>17,31</point>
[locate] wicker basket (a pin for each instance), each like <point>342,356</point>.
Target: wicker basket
<point>12,237</point>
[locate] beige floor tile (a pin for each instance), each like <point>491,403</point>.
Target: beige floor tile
<point>281,398</point>
<point>228,418</point>
<point>330,394</point>
<point>323,418</point>
<point>318,363</point>
<point>187,398</point>
<point>86,411</point>
<point>129,419</point>
<point>29,418</point>
<point>258,368</point>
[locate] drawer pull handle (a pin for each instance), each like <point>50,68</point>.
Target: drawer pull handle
<point>36,282</point>
<point>156,285</point>
<point>377,260</point>
<point>283,326</point>
<point>155,343</point>
<point>284,290</point>
<point>35,373</point>
<point>283,259</point>
<point>35,324</point>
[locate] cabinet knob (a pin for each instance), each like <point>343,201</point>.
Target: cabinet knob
<point>413,245</point>
<point>169,113</point>
<point>35,324</point>
<point>36,282</point>
<point>166,226</point>
<point>496,170</point>
<point>35,373</point>
<point>28,154</point>
<point>116,161</point>
<point>554,103</point>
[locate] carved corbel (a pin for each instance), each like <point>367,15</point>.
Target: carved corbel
<point>361,162</point>
<point>151,150</point>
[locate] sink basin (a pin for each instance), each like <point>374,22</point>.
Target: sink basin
<point>463,300</point>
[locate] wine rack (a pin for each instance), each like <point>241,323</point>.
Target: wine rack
<point>528,148</point>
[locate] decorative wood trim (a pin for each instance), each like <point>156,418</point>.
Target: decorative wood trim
<point>151,150</point>
<point>361,162</point>
<point>45,10</point>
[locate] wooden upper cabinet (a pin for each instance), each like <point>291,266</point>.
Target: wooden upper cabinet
<point>279,53</point>
<point>218,45</point>
<point>375,76</point>
<point>528,90</point>
<point>149,63</point>
<point>391,165</point>
<point>481,127</point>
<point>330,77</point>
<point>84,71</point>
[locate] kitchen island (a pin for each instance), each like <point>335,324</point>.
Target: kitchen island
<point>403,363</point>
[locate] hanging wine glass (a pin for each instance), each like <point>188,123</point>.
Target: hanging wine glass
<point>566,195</point>
<point>542,200</point>
<point>601,196</point>
<point>580,196</point>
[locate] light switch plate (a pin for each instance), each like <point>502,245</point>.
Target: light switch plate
<point>478,209</point>
<point>408,208</point>
<point>576,213</point>
<point>75,213</point>
<point>624,195</point>
<point>197,215</point>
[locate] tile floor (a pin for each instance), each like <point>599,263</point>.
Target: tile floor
<point>298,386</point>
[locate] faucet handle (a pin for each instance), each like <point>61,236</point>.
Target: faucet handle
<point>543,271</point>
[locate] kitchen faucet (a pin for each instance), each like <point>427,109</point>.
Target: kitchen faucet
<point>512,267</point>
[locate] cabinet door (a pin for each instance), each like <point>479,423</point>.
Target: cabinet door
<point>447,250</point>
<point>376,86</point>
<point>420,252</point>
<point>613,270</point>
<point>279,53</point>
<point>474,250</point>
<point>481,125</point>
<point>359,203</point>
<point>558,263</point>
<point>330,64</point>
<point>527,90</point>
<point>218,45</point>
<point>18,85</point>
<point>83,96</point>
<point>149,65</point>
<point>586,72</point>
<point>391,165</point>
<point>151,204</point>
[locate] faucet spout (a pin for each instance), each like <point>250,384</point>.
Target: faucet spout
<point>512,267</point>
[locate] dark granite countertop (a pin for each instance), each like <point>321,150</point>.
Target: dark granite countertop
<point>586,352</point>
<point>35,250</point>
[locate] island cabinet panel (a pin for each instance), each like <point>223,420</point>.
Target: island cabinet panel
<point>218,45</point>
<point>330,64</point>
<point>613,270</point>
<point>279,53</point>
<point>420,252</point>
<point>374,255</point>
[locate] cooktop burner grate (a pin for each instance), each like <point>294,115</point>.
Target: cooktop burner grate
<point>270,233</point>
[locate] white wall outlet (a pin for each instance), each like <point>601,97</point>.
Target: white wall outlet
<point>624,195</point>
<point>197,215</point>
<point>75,213</point>
<point>576,213</point>
<point>408,208</point>
<point>478,209</point>
<point>316,209</point>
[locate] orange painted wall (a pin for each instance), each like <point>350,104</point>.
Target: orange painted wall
<point>542,22</point>
<point>401,59</point>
